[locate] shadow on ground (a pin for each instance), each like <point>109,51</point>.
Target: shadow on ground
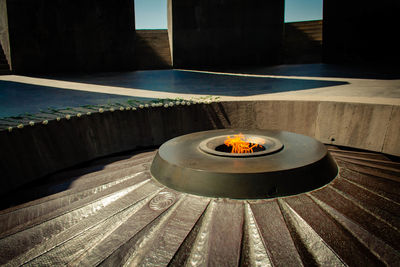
<point>322,70</point>
<point>188,82</point>
<point>61,180</point>
<point>19,98</point>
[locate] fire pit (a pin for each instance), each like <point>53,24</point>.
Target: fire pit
<point>240,145</point>
<point>243,164</point>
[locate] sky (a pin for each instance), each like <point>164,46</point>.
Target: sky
<point>152,14</point>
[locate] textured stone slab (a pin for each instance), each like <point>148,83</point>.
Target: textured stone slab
<point>392,137</point>
<point>350,124</point>
<point>293,116</point>
<point>136,221</point>
<point>275,234</point>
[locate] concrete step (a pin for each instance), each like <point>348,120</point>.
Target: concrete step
<point>44,212</point>
<point>70,186</point>
<point>359,154</point>
<point>5,72</point>
<point>383,187</point>
<point>312,23</point>
<point>307,27</point>
<point>371,169</point>
<point>313,29</point>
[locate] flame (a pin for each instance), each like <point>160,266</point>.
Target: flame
<point>239,144</point>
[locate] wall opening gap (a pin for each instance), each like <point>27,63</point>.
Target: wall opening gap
<point>151,14</point>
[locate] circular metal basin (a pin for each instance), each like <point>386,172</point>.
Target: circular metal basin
<point>290,164</point>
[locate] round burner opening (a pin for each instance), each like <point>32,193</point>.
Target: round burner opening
<point>253,145</point>
<point>228,149</point>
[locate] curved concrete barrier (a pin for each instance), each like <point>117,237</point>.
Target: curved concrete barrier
<point>35,151</point>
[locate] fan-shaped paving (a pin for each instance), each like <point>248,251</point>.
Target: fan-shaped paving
<point>112,212</point>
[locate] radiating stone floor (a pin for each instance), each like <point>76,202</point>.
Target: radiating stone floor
<point>112,212</point>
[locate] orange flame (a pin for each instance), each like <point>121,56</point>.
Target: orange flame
<point>239,144</point>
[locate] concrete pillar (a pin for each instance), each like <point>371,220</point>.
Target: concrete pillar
<point>71,35</point>
<point>361,31</point>
<point>225,33</point>
<point>4,38</point>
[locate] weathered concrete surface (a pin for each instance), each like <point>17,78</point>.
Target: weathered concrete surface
<point>361,32</point>
<point>355,125</point>
<point>294,116</point>
<point>152,50</point>
<point>111,212</point>
<point>392,137</point>
<point>358,125</point>
<point>4,37</point>
<point>302,42</point>
<point>32,152</point>
<point>218,32</point>
<point>61,35</point>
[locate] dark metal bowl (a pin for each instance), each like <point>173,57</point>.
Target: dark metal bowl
<point>291,164</point>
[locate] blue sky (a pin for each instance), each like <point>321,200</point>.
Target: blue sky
<point>152,14</point>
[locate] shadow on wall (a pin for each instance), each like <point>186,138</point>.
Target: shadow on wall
<point>44,150</point>
<point>206,117</point>
<point>176,81</point>
<point>303,42</point>
<point>152,50</point>
<point>4,66</point>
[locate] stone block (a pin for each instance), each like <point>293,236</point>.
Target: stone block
<point>361,32</point>
<point>293,116</point>
<point>4,38</point>
<point>353,124</point>
<point>221,33</point>
<point>60,35</point>
<point>392,138</point>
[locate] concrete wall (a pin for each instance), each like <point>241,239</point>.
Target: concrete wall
<point>65,35</point>
<point>98,35</point>
<point>391,143</point>
<point>169,22</point>
<point>361,32</point>
<point>302,42</point>
<point>152,49</point>
<point>221,33</point>
<point>4,38</point>
<point>34,151</point>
